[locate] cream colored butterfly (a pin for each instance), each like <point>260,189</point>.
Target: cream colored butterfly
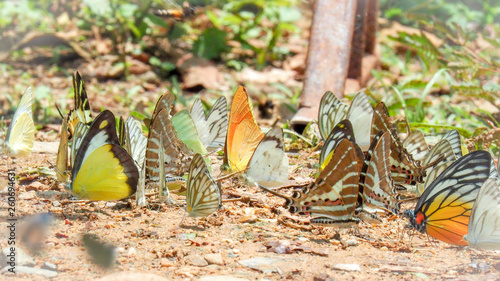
<point>21,132</point>
<point>484,224</point>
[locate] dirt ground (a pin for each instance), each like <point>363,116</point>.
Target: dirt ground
<point>252,224</point>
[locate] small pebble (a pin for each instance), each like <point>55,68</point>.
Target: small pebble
<point>56,204</point>
<point>352,242</point>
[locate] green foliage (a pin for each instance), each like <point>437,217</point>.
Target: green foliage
<point>256,25</point>
<point>439,84</point>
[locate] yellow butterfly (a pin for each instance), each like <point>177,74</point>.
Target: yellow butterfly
<point>103,170</point>
<point>21,133</point>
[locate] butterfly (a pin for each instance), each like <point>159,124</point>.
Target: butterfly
<point>133,140</point>
<point>440,157</point>
<point>360,113</point>
<point>81,113</point>
<point>203,195</point>
<point>404,168</point>
<point>453,137</point>
<point>484,224</point>
<point>332,198</point>
<point>62,154</point>
<point>21,132</point>
<point>186,130</point>
<point>444,209</point>
<point>377,193</point>
<point>343,130</point>
<point>243,133</point>
<point>212,128</point>
<point>416,145</point>
<point>174,149</point>
<point>269,163</point>
<point>180,13</point>
<point>103,170</point>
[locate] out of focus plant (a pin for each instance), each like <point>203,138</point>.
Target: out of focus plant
<point>257,26</point>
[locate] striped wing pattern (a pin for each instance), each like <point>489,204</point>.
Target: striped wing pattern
<point>212,128</point>
<point>375,184</point>
<point>404,169</point>
<point>78,136</point>
<point>444,209</point>
<point>62,154</point>
<point>82,111</point>
<point>343,130</point>
<point>453,137</point>
<point>332,198</point>
<point>416,145</point>
<point>135,141</point>
<point>202,195</point>
<point>331,112</point>
<point>484,224</point>
<point>161,125</point>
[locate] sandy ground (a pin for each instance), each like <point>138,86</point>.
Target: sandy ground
<point>252,238</point>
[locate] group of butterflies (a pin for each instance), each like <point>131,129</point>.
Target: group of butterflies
<point>110,162</point>
<point>364,165</point>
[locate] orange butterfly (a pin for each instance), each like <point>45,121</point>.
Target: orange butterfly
<point>243,134</point>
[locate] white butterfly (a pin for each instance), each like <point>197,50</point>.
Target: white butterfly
<point>269,163</point>
<point>21,133</point>
<point>360,113</point>
<point>484,223</point>
<point>202,193</point>
<point>212,129</point>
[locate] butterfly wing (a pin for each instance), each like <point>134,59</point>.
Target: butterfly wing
<point>243,133</point>
<point>484,224</point>
<point>186,130</point>
<point>174,148</point>
<point>82,112</point>
<point>269,163</point>
<point>21,132</point>
<point>62,154</point>
<point>331,112</point>
<point>198,115</point>
<point>360,114</point>
<point>343,130</point>
<point>416,145</point>
<point>135,141</point>
<point>443,210</point>
<point>376,185</point>
<point>202,194</point>
<point>453,137</point>
<point>78,136</point>
<point>334,195</point>
<point>103,170</point>
<point>217,121</point>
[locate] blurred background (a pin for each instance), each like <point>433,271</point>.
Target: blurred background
<point>439,61</point>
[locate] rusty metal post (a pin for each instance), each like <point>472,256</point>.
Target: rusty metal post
<point>358,41</point>
<point>328,55</point>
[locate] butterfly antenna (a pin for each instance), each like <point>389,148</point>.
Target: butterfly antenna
<point>59,110</point>
<point>274,192</point>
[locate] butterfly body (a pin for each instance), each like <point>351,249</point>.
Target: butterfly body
<point>444,209</point>
<point>103,170</point>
